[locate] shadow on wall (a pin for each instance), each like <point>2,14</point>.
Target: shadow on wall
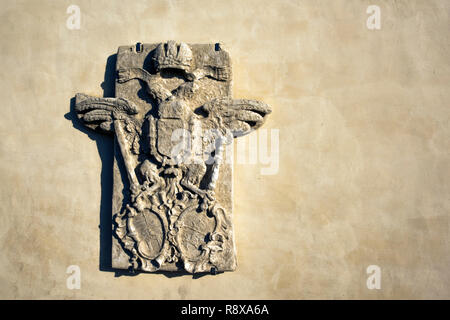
<point>105,147</point>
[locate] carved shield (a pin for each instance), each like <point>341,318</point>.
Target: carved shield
<point>148,231</point>
<point>194,230</point>
<point>171,137</point>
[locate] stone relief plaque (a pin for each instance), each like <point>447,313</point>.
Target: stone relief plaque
<point>172,117</point>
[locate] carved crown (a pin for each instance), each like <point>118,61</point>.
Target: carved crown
<point>173,55</point>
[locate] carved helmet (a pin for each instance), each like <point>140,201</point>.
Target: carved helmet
<point>173,55</point>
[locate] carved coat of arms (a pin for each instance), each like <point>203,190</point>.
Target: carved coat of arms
<point>171,118</point>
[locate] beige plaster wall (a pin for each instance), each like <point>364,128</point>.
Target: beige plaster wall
<point>364,162</point>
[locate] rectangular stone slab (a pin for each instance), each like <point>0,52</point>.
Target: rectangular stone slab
<point>133,91</point>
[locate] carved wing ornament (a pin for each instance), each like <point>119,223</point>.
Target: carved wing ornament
<point>176,214</point>
<point>239,116</point>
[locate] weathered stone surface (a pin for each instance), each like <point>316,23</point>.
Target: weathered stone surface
<point>172,118</point>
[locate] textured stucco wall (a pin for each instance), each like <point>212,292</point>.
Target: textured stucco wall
<point>363,119</point>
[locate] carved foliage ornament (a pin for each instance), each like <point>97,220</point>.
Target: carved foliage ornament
<point>171,207</point>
